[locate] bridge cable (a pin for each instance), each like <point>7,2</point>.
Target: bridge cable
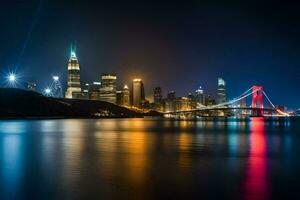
<point>232,101</point>
<point>278,110</point>
<point>268,99</point>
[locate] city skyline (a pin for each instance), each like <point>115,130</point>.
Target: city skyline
<point>143,99</point>
<point>87,90</point>
<point>142,47</point>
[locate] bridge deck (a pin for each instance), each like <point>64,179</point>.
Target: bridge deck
<point>221,109</point>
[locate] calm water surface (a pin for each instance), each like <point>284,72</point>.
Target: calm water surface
<point>149,159</point>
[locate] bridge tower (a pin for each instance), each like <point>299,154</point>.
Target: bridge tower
<point>257,100</point>
<point>257,97</point>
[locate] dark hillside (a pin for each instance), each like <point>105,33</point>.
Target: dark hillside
<point>16,103</point>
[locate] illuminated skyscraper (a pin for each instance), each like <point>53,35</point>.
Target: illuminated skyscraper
<point>221,90</point>
<point>191,101</point>
<point>74,88</point>
<point>126,96</point>
<point>199,96</point>
<point>138,94</point>
<point>108,88</point>
<point>183,103</point>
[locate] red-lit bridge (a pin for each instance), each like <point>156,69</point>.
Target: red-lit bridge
<point>231,107</point>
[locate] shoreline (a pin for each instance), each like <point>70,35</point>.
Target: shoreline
<point>212,118</point>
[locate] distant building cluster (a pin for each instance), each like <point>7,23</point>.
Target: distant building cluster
<point>106,90</point>
<point>133,95</point>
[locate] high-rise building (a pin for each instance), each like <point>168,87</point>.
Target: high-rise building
<point>209,101</point>
<point>74,87</point>
<point>191,101</point>
<point>241,103</point>
<point>125,96</point>
<point>85,90</point>
<point>171,95</point>
<point>108,88</point>
<point>183,103</point>
<point>138,94</point>
<point>157,95</point>
<point>94,91</point>
<point>158,99</point>
<point>199,96</point>
<point>119,95</point>
<point>170,102</point>
<point>221,91</point>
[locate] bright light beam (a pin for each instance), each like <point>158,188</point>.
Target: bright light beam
<point>11,78</point>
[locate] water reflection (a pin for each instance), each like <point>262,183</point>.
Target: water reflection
<point>143,158</point>
<point>185,144</point>
<point>11,165</point>
<point>256,180</point>
<point>13,127</point>
<point>72,145</point>
<point>11,157</point>
<point>138,148</point>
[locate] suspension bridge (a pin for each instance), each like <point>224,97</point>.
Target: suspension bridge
<point>233,107</point>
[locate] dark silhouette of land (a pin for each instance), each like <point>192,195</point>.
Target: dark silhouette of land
<point>17,103</point>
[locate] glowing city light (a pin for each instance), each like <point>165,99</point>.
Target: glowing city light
<point>11,78</point>
<point>55,78</point>
<point>73,54</point>
<point>47,91</point>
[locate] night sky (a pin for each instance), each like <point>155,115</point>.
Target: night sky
<point>178,46</point>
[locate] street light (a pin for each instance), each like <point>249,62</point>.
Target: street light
<point>11,78</point>
<point>47,91</point>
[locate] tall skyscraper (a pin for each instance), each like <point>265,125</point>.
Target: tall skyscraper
<point>191,101</point>
<point>108,88</point>
<point>74,87</point>
<point>119,95</point>
<point>158,99</point>
<point>199,96</point>
<point>138,94</point>
<point>221,91</point>
<point>170,102</point>
<point>157,95</point>
<point>126,96</point>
